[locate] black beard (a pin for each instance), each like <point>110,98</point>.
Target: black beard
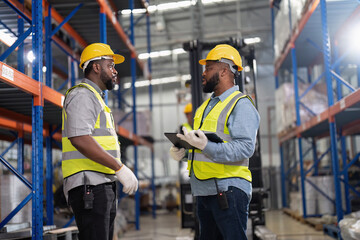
<point>109,84</point>
<point>211,83</point>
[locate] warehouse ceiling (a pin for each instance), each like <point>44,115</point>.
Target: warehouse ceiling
<point>171,24</point>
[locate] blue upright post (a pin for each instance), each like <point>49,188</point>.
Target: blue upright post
<point>48,50</point>
<point>315,157</point>
<point>103,38</point>
<point>342,138</point>
<point>283,177</point>
<point>20,57</point>
<point>298,123</point>
<point>20,160</point>
<point>358,74</point>
<point>148,35</point>
<point>133,76</point>
<point>37,124</point>
<point>72,72</point>
<point>308,70</point>
<point>49,181</point>
<point>332,127</point>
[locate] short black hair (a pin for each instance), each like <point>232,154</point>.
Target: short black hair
<point>89,68</point>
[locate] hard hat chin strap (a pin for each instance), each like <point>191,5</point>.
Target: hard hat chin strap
<point>232,66</point>
<point>95,58</point>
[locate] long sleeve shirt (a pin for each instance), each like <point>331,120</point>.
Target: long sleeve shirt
<point>243,124</point>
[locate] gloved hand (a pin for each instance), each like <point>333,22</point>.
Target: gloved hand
<point>128,179</point>
<point>195,138</point>
<point>177,153</point>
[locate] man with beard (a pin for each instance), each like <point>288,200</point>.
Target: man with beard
<point>219,175</point>
<point>90,149</point>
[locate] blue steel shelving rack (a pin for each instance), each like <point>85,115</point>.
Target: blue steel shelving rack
<point>318,29</point>
<point>41,93</point>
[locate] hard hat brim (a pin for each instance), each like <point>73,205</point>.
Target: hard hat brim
<point>202,61</point>
<point>118,58</point>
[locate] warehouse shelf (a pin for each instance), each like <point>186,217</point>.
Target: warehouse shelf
<point>321,23</point>
<point>32,109</point>
<point>346,113</point>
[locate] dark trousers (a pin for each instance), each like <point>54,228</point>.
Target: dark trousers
<point>229,224</point>
<point>96,223</point>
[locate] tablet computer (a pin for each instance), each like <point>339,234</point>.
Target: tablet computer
<point>182,144</point>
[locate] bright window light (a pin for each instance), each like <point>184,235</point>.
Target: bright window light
<point>158,81</point>
<point>30,56</point>
<point>252,40</point>
<point>7,38</point>
<point>353,39</point>
<point>171,6</point>
<point>163,53</point>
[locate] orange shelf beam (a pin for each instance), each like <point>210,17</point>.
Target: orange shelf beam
<point>5,113</point>
<point>112,18</point>
<point>131,136</point>
<point>19,126</point>
<point>53,96</point>
<point>19,80</point>
<point>331,112</point>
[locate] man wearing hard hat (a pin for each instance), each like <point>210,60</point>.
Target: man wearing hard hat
<point>219,172</point>
<point>90,148</point>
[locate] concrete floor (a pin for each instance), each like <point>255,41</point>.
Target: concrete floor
<point>287,228</point>
<point>167,227</point>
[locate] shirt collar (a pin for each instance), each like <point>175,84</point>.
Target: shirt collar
<point>225,94</point>
<point>95,86</point>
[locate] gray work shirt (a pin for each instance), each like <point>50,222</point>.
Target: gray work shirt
<point>82,110</point>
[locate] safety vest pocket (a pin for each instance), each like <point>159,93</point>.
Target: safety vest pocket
<point>212,168</point>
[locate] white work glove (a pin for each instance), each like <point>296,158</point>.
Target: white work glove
<point>177,153</point>
<point>195,138</point>
<point>128,179</point>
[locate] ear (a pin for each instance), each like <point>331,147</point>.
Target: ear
<point>96,67</point>
<point>223,72</point>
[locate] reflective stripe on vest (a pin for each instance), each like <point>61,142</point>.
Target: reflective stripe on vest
<point>104,134</point>
<point>216,122</point>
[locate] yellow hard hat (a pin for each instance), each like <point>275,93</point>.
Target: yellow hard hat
<point>224,51</point>
<point>188,108</point>
<point>97,50</point>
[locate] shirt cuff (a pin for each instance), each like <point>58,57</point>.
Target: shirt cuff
<point>210,149</point>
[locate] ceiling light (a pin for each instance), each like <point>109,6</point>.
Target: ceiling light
<point>162,53</point>
<point>157,81</point>
<point>172,6</point>
<point>252,40</point>
<point>44,69</point>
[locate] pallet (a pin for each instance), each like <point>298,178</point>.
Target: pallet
<point>294,214</point>
<point>68,233</point>
<point>332,231</point>
<point>312,221</point>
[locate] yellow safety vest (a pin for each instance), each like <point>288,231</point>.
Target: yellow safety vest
<point>188,127</point>
<point>216,122</point>
<point>104,134</point>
